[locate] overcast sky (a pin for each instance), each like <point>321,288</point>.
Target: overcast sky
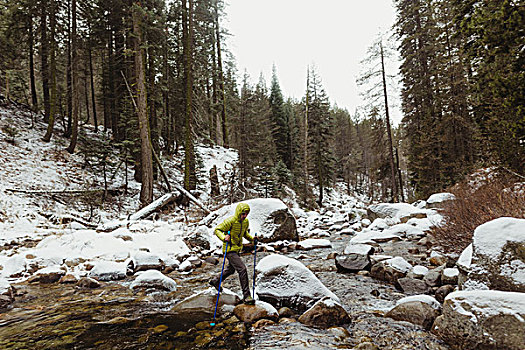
<point>332,34</point>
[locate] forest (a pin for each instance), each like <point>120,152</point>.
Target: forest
<point>157,79</point>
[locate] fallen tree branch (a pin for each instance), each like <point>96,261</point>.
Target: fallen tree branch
<point>54,192</point>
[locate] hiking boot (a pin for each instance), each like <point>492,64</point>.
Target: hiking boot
<point>214,284</point>
<point>248,301</point>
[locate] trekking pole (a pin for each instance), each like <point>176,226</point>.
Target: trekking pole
<point>220,281</point>
<point>254,261</point>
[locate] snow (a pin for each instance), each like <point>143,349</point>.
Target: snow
<point>488,303</point>
<point>394,210</point>
<point>153,277</point>
<point>465,259</point>
<point>451,272</point>
<point>290,279</point>
<point>420,270</point>
<point>427,299</point>
<point>4,286</point>
<point>371,236</point>
<point>407,230</point>
<point>13,266</point>
<point>490,238</point>
<point>440,197</point>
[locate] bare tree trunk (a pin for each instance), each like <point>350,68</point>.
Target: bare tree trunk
<point>34,100</point>
<point>224,124</point>
<point>389,131</point>
<point>189,156</point>
<point>44,49</point>
<point>74,78</point>
<point>94,106</point>
<point>53,73</point>
<point>305,144</point>
<point>69,93</point>
<point>146,190</point>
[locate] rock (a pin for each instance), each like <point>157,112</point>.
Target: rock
<point>312,243</point>
<point>393,211</point>
<point>439,200</point>
<point>143,261</point>
<point>253,313</point>
<point>340,333</point>
<point>154,279</point>
<point>186,266</point>
<point>437,259</point>
<point>199,238</point>
<point>413,286</point>
<point>498,258</point>
<point>108,271</point>
<point>364,249</point>
<point>352,262</point>
<point>286,312</point>
<point>204,302</point>
<point>330,256</point>
<point>450,276</point>
<point>263,323</point>
<point>416,312</point>
<point>49,274</point>
<point>69,278</point>
<point>366,346</point>
<point>324,314</point>
<point>483,319</point>
<point>211,260</point>
<point>443,291</point>
<point>391,270</point>
<point>433,277</point>
<point>87,282</point>
<point>418,272</point>
<point>287,282</point>
<point>272,222</point>
<point>7,294</point>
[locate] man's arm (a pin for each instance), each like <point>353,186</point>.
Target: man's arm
<point>222,229</point>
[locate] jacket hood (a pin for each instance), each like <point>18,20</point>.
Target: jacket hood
<point>241,208</point>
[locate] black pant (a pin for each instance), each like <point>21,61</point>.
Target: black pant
<point>235,263</point>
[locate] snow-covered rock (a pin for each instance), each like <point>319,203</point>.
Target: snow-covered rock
<point>287,282</point>
<point>498,259</point>
<point>394,211</point>
<point>312,243</point>
<point>154,279</point>
<point>270,218</point>
<point>6,293</point>
<point>204,302</point>
<point>430,300</point>
<point>483,320</point>
<point>438,200</point>
<point>143,261</point>
<point>108,271</point>
<point>368,236</point>
<point>325,313</point>
<point>253,313</point>
<point>364,249</point>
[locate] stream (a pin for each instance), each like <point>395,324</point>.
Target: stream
<point>62,316</point>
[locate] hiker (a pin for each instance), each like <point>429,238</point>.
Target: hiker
<point>232,230</point>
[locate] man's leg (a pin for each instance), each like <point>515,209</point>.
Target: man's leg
<point>235,260</point>
<point>228,271</point>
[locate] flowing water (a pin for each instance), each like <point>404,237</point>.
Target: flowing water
<point>59,316</point>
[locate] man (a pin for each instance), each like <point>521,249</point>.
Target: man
<point>232,230</point>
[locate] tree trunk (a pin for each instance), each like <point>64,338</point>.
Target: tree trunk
<point>146,190</point>
<point>305,144</point>
<point>189,156</point>
<point>69,93</point>
<point>44,49</point>
<point>74,78</point>
<point>34,100</point>
<point>389,131</point>
<point>53,72</point>
<point>224,124</point>
<point>94,106</point>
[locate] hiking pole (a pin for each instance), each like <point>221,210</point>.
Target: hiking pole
<point>254,261</point>
<point>220,281</point>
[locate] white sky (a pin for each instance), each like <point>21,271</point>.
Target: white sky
<point>332,34</point>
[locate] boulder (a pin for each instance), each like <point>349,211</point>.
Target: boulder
<point>412,286</point>
<point>439,200</point>
<point>204,302</point>
<point>88,282</point>
<point>443,291</point>
<point>364,249</point>
<point>352,262</point>
<point>49,274</point>
<point>7,294</point>
<point>391,270</point>
<point>143,261</point>
<point>324,314</point>
<point>270,218</point>
<point>108,271</point>
<point>253,313</point>
<point>450,276</point>
<point>416,312</point>
<point>483,319</point>
<point>312,243</point>
<point>498,258</point>
<point>283,281</point>
<point>394,211</point>
<point>153,279</point>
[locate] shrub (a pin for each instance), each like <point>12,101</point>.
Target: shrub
<point>478,201</point>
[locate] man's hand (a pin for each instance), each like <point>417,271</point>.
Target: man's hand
<point>227,238</point>
<point>255,240</point>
